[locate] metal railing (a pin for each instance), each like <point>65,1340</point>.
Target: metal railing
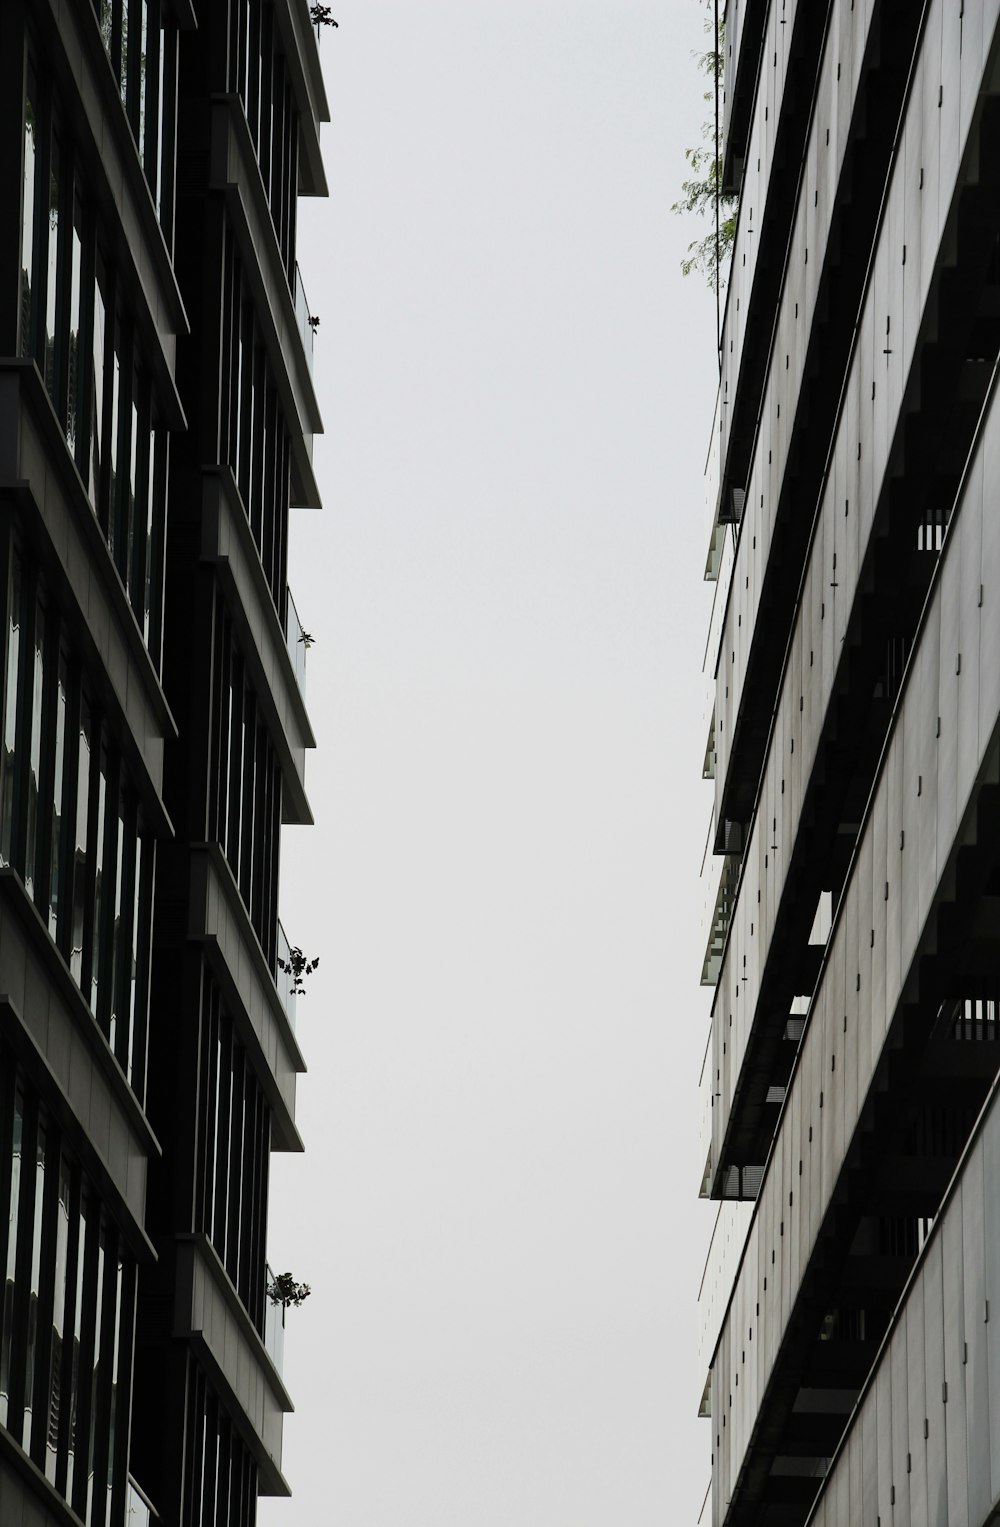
<point>297,640</point>
<point>274,1328</point>
<point>303,317</point>
<point>284,980</point>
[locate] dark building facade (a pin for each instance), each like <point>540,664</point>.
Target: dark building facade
<point>850,1304</point>
<point>157,410</point>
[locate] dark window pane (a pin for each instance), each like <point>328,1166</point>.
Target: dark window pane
<point>100,890</point>
<point>80,849</point>
<point>58,1317</point>
<point>73,1398</point>
<point>117,949</point>
<point>58,786</point>
<point>31,865</point>
<point>28,209</point>
<point>7,1335</point>
<point>8,763</point>
<point>52,281</point>
<point>75,358</point>
<point>97,383</point>
<point>34,1400</point>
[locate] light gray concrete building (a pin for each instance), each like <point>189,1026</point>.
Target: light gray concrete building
<point>850,1305</point>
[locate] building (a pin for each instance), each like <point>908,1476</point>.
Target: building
<point>157,410</point>
<point>850,1304</point>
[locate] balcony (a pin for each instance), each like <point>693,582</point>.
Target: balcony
<point>298,641</point>
<point>283,977</point>
<point>304,318</point>
<point>720,874</point>
<point>274,1330</point>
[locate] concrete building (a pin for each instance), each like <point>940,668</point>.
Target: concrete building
<point>157,410</point>
<point>851,1300</point>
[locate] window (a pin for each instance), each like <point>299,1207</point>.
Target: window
<point>68,1280</point>
<point>12,725</point>
<point>38,698</point>
<point>52,314</point>
<point>75,320</point>
<point>31,169</point>
<point>141,49</point>
<point>71,823</point>
<point>220,1475</point>
<point>253,436</point>
<point>234,1135</point>
<point>258,74</point>
<point>97,381</point>
<point>74,424</point>
<point>245,807</point>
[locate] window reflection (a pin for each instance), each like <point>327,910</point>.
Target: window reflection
<point>7,1333</point>
<point>58,786</point>
<point>75,359</point>
<point>73,1396</point>
<point>97,382</point>
<point>28,210</point>
<point>8,763</point>
<point>32,1398</point>
<point>56,1358</point>
<point>31,866</point>
<point>95,1375</point>
<point>52,286</point>
<point>96,944</point>
<point>80,850</point>
<point>117,951</point>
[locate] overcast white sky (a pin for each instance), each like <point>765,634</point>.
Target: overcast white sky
<point>497,1209</point>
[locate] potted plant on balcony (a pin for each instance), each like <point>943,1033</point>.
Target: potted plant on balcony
<point>297,966</point>
<point>282,1289</point>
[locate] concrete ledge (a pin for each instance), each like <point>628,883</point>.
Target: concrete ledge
<point>227,542</point>
<point>209,1314</point>
<point>219,920</point>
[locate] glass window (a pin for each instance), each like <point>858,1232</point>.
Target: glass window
<point>58,785</point>
<point>155,516</point>
<point>97,382</point>
<point>126,560</point>
<point>73,1398</point>
<point>119,1291</point>
<point>7,1335</point>
<point>75,366</point>
<point>33,1399</point>
<point>160,188</point>
<point>113,428</point>
<point>52,283</point>
<point>31,864</point>
<point>123,59</point>
<point>8,763</point>
<point>143,63</point>
<point>80,850</point>
<point>58,1321</point>
<point>138,892</point>
<point>100,891</point>
<point>96,1371</point>
<point>117,946</point>
<point>28,208</point>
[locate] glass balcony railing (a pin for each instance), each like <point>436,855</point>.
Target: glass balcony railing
<point>274,1330</point>
<point>284,980</point>
<point>138,1511</point>
<point>307,322</point>
<point>297,640</point>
